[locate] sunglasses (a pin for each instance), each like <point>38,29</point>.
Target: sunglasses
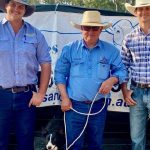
<point>88,28</point>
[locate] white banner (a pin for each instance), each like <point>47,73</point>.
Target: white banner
<point>58,31</point>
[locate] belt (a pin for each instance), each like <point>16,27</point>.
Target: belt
<point>18,89</point>
<point>140,85</point>
<point>89,101</point>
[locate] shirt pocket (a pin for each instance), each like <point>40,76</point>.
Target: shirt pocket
<point>29,45</point>
<point>4,46</point>
<point>77,68</point>
<point>103,71</point>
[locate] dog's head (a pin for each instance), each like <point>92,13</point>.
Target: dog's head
<point>55,135</point>
<point>55,141</point>
<point>51,144</point>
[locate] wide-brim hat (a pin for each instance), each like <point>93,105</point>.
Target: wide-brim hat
<point>138,3</point>
<point>91,18</point>
<point>29,8</point>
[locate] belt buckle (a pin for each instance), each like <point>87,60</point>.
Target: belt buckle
<point>27,90</point>
<point>13,90</point>
<point>142,85</point>
<point>20,89</point>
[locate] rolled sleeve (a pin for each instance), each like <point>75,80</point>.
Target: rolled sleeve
<point>126,56</point>
<point>118,69</point>
<point>62,67</point>
<point>43,49</point>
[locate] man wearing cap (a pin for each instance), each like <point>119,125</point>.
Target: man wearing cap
<point>22,49</point>
<point>136,57</point>
<point>85,72</point>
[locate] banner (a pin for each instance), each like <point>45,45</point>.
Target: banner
<point>56,27</point>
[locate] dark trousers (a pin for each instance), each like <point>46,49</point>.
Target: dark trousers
<point>14,109</point>
<point>95,127</point>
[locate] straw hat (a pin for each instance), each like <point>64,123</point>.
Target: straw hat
<point>138,3</point>
<point>29,8</point>
<point>91,18</point>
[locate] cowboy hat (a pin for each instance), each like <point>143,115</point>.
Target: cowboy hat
<point>91,18</point>
<point>139,3</point>
<point>29,8</point>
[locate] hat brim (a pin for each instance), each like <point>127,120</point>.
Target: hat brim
<point>29,8</point>
<point>131,8</point>
<point>104,25</point>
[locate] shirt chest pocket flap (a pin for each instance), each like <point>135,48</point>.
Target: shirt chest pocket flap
<point>4,43</point>
<point>77,67</point>
<point>30,42</point>
<point>103,70</point>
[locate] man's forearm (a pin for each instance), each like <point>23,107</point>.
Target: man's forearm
<point>44,78</point>
<point>124,86</point>
<point>63,92</point>
<point>114,80</point>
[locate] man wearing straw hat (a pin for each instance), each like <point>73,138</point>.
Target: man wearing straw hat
<point>22,49</point>
<point>85,73</point>
<point>136,57</point>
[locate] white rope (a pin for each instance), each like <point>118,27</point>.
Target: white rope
<point>88,115</point>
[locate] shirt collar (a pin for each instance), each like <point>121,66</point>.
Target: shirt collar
<point>141,32</point>
<point>84,45</point>
<point>4,21</point>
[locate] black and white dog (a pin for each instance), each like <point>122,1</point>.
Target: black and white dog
<point>55,135</point>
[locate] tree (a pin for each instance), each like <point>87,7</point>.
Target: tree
<point>114,5</point>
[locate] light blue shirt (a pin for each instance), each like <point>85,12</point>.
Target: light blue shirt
<point>83,70</point>
<point>21,54</point>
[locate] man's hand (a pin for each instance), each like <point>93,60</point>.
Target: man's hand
<point>127,97</point>
<point>66,104</point>
<point>106,86</point>
<point>36,99</point>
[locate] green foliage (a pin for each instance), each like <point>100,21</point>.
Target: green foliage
<point>100,4</point>
<point>114,5</point>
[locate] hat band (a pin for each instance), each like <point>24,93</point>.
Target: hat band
<point>143,4</point>
<point>140,5</point>
<point>92,22</point>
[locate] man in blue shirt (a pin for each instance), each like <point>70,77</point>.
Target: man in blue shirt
<point>22,49</point>
<point>136,57</point>
<point>87,67</point>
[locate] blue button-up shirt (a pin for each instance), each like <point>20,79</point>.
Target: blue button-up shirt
<point>83,70</point>
<point>136,55</point>
<point>21,54</point>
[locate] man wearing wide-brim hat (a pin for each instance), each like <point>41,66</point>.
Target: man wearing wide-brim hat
<point>29,8</point>
<point>22,49</point>
<point>85,72</point>
<point>136,57</point>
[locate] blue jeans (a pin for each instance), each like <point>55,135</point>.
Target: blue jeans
<point>14,109</point>
<point>95,127</point>
<point>139,116</point>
